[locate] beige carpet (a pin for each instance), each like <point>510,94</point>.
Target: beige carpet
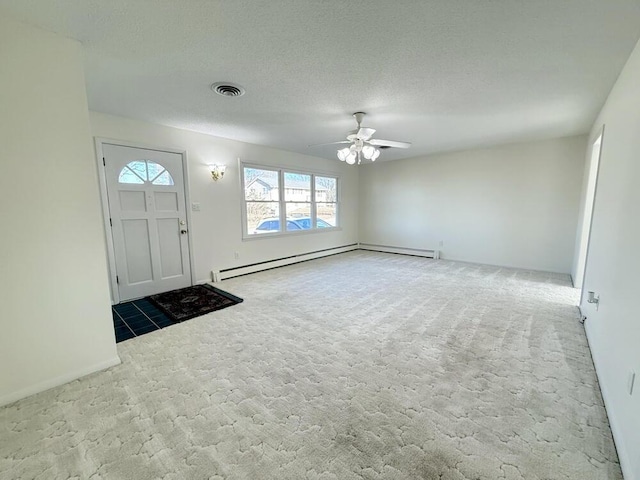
<point>361,365</point>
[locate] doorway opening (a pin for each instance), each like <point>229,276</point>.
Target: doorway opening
<point>587,216</point>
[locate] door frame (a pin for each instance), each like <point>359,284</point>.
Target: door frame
<point>104,200</point>
<point>589,218</point>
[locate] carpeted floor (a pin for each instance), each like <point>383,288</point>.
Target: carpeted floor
<point>360,365</point>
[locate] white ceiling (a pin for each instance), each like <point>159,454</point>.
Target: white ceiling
<point>442,74</point>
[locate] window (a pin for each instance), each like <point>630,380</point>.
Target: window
<point>145,171</point>
<point>326,189</point>
<point>261,199</point>
<point>298,200</point>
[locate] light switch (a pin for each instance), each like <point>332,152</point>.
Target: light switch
<point>195,207</point>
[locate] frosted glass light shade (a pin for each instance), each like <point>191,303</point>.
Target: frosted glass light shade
<point>351,158</point>
<point>343,153</point>
<point>375,155</point>
<point>368,151</point>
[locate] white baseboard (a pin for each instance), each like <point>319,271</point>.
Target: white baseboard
<point>435,254</point>
<point>57,381</point>
<point>258,267</point>
<point>621,448</point>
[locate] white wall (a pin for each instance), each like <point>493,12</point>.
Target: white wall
<point>513,205</point>
<point>613,264</point>
<point>56,317</point>
<point>217,228</point>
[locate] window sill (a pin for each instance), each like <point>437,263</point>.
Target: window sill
<point>311,231</point>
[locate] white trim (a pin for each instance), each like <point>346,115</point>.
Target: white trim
<point>104,199</point>
<point>435,254</point>
<point>187,207</point>
<point>623,452</point>
<point>310,231</point>
<point>57,381</point>
<point>217,275</point>
<point>583,275</point>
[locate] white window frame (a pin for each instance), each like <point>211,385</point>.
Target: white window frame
<point>282,203</point>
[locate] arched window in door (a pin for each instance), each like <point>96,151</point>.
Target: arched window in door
<point>145,171</point>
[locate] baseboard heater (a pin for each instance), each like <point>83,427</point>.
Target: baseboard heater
<point>279,262</point>
<point>418,252</point>
<point>219,275</point>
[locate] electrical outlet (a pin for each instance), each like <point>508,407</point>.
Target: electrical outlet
<point>631,381</point>
<point>236,255</point>
<point>441,243</point>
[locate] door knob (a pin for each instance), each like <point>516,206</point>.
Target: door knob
<point>183,232</point>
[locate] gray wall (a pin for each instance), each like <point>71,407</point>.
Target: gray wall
<point>513,205</point>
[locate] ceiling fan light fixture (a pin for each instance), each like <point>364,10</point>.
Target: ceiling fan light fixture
<point>361,145</point>
<point>368,152</point>
<point>343,153</point>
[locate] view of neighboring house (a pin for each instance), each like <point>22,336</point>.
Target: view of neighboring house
<point>265,187</point>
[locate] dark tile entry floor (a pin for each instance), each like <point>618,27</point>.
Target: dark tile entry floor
<point>132,319</point>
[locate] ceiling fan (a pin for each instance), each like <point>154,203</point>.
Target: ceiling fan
<point>362,145</point>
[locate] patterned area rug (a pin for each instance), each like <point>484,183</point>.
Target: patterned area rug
<point>191,302</point>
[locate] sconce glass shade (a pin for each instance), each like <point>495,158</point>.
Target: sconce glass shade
<point>217,171</point>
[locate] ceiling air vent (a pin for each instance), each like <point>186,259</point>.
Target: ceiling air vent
<point>227,89</point>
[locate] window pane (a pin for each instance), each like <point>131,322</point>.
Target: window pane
<point>143,171</point>
<point>127,176</point>
<point>263,217</point>
<point>297,187</point>
<point>153,170</point>
<point>298,216</point>
<point>326,189</point>
<point>327,215</point>
<point>140,168</point>
<point>260,184</point>
<point>163,179</point>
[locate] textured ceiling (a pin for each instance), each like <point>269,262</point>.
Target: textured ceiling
<point>442,74</point>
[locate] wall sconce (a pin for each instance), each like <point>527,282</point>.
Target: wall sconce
<point>217,171</point>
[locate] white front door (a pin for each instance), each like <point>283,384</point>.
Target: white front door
<point>147,207</point>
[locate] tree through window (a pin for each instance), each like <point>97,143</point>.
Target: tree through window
<point>145,171</point>
<point>280,201</point>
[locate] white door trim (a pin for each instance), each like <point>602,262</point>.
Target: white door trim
<point>587,221</point>
<point>99,142</point>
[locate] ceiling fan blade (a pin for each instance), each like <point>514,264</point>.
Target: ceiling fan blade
<point>330,143</point>
<point>389,143</point>
<point>365,133</point>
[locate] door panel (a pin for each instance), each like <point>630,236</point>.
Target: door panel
<point>137,251</point>
<point>170,248</point>
<point>147,206</point>
<point>166,201</point>
<point>132,201</point>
